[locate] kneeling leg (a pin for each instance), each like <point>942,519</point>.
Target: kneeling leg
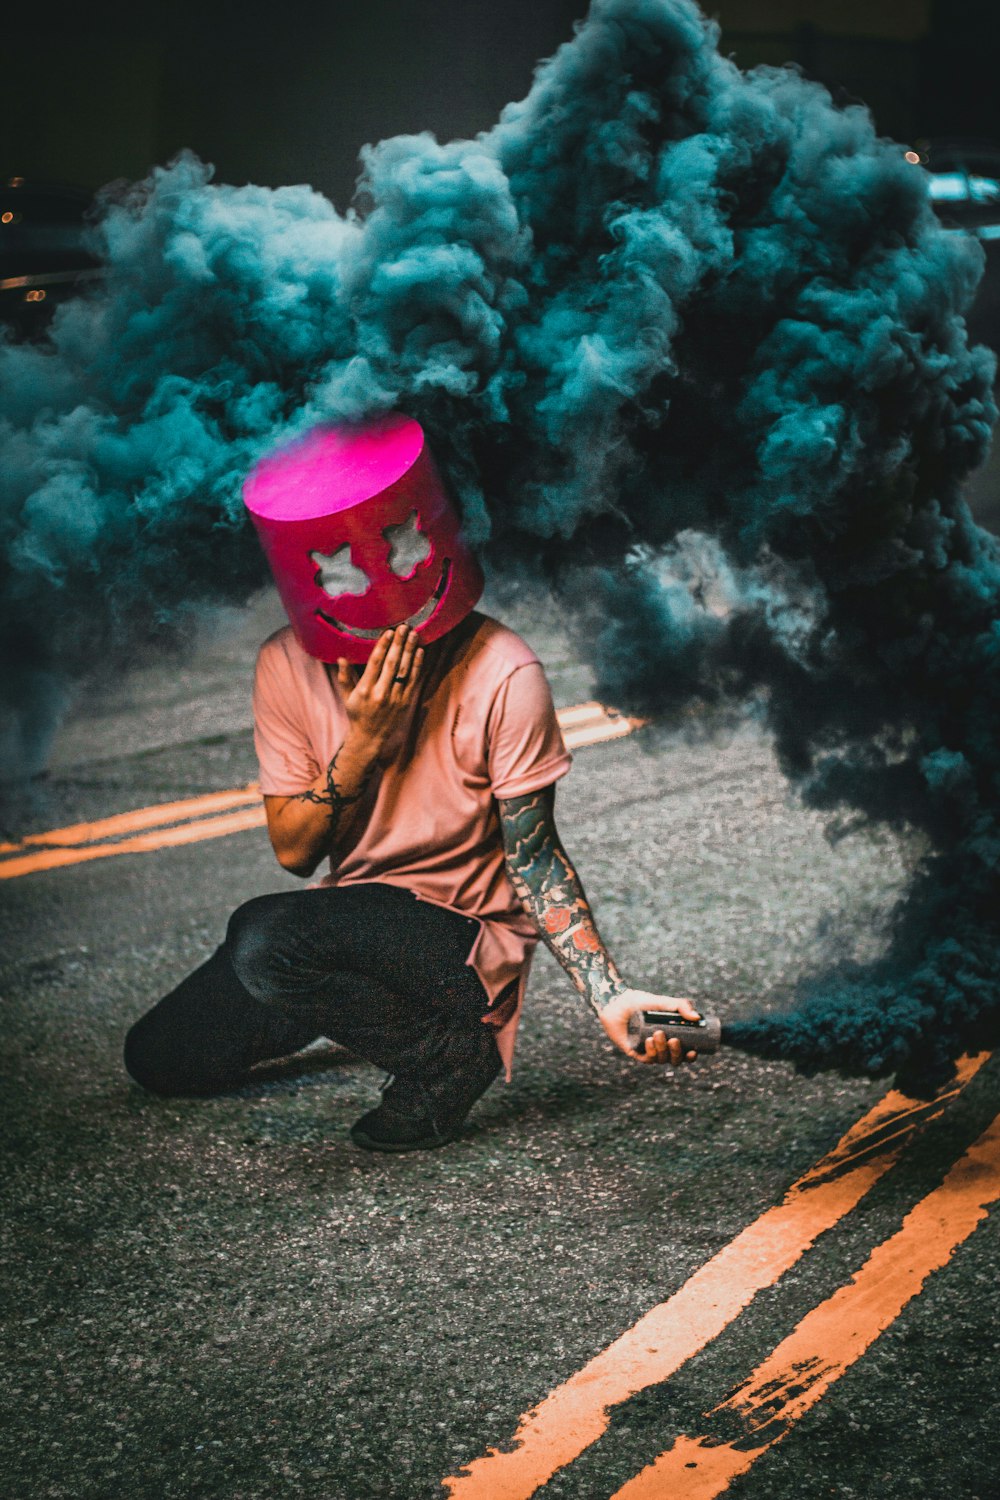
<point>206,1034</point>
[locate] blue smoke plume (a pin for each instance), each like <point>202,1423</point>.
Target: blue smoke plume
<point>693,330</point>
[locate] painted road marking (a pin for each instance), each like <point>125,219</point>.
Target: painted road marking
<point>829,1339</point>
<point>576,1414</point>
<point>142,817</point>
<point>142,843</point>
<point>219,813</point>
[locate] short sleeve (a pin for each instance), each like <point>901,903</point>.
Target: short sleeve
<point>525,747</point>
<point>284,754</point>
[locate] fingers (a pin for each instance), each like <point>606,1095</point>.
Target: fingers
<point>407,665</point>
<point>663,1049</point>
<point>376,662</point>
<point>397,662</point>
<point>410,686</point>
<point>658,1049</point>
<point>390,663</point>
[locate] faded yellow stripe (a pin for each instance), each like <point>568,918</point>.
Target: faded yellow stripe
<point>584,724</point>
<point>142,817</point>
<point>831,1338</point>
<point>576,1414</point>
<point>142,843</point>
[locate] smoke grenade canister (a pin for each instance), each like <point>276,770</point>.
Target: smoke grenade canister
<point>694,1036</point>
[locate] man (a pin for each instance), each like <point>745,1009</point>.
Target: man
<point>411,741</point>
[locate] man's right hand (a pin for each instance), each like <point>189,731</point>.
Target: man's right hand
<point>316,821</point>
<point>376,701</point>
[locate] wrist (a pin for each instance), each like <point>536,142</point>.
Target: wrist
<point>603,992</point>
<point>360,750</point>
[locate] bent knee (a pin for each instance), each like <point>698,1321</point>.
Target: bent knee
<point>165,1064</point>
<point>258,934</point>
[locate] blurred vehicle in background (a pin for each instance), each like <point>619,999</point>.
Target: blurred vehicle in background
<point>44,254</point>
<point>964,186</point>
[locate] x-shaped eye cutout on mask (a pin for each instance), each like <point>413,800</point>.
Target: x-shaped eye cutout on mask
<point>408,547</point>
<point>337,574</point>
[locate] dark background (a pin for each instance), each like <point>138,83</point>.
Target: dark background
<point>278,91</point>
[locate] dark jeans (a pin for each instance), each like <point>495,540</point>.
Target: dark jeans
<point>369,966</point>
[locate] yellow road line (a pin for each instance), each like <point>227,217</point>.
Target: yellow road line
<point>800,1371</point>
<point>142,817</point>
<point>583,724</point>
<point>576,1414</point>
<point>142,843</point>
<point>596,734</point>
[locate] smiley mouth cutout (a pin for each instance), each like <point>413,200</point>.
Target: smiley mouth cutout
<point>421,617</point>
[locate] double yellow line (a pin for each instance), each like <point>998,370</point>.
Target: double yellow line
<point>794,1377</point>
<point>139,832</point>
<point>798,1372</point>
<point>220,813</point>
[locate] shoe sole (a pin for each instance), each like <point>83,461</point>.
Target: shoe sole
<point>369,1143</point>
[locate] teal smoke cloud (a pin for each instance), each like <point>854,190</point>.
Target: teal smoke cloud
<point>691,329</point>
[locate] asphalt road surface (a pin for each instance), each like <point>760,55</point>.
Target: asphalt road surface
<point>619,1282</point>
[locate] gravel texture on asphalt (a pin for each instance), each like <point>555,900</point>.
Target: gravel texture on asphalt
<point>225,1298</point>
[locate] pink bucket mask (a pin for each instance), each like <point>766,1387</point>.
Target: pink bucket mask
<point>361,535</point>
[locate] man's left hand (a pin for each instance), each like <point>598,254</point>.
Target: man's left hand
<point>614,1017</point>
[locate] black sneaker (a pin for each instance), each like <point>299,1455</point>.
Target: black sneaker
<point>421,1114</point>
<point>402,1122</point>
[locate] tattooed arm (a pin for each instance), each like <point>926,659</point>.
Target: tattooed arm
<point>550,891</point>
<point>313,823</point>
<point>308,826</point>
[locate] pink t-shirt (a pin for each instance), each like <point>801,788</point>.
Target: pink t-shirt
<point>482,728</point>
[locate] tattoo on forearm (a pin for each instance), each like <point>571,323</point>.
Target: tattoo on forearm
<point>550,891</point>
<point>332,796</point>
